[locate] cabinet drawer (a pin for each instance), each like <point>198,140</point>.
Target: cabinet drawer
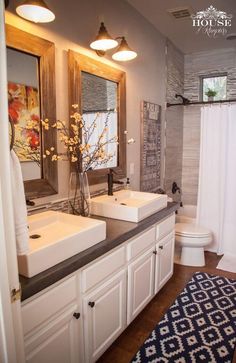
<point>45,306</point>
<point>165,227</point>
<point>140,243</point>
<point>102,269</point>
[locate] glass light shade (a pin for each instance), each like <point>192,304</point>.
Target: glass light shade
<point>124,52</point>
<point>104,44</point>
<point>103,40</point>
<point>36,11</point>
<point>124,55</point>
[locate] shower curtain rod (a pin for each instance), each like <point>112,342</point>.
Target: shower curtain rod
<point>200,103</point>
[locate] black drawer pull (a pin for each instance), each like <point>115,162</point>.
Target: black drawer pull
<point>161,247</point>
<point>91,303</point>
<point>155,252</point>
<point>76,315</point>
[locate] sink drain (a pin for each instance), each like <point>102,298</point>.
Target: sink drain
<point>35,236</point>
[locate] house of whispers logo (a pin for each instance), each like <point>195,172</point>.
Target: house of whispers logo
<point>212,22</point>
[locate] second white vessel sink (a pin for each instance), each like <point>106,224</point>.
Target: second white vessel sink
<point>56,236</point>
<point>128,205</point>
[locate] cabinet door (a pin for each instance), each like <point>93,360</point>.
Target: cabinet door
<point>140,283</point>
<point>104,316</point>
<point>164,261</point>
<point>56,342</point>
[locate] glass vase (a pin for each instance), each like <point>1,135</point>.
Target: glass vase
<point>79,194</point>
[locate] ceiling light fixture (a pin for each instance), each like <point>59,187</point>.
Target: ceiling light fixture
<point>104,42</point>
<point>36,11</point>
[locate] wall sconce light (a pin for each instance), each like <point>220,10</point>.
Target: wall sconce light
<point>104,42</point>
<point>36,11</point>
<point>124,52</point>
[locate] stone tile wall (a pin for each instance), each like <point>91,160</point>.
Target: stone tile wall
<point>197,65</point>
<point>174,120</point>
<point>191,153</point>
<point>207,63</point>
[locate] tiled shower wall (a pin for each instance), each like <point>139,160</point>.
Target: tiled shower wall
<point>207,63</point>
<point>196,65</point>
<point>191,153</point>
<point>174,119</point>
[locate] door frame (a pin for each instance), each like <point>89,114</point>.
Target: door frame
<point>11,332</point>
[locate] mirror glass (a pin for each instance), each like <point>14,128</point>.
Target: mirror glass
<point>99,111</point>
<point>24,110</point>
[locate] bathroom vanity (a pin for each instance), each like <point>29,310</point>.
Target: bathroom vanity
<point>73,311</point>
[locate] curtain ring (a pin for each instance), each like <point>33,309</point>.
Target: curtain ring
<point>12,132</point>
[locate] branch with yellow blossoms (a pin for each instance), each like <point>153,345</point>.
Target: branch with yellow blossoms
<point>77,142</point>
<point>27,141</point>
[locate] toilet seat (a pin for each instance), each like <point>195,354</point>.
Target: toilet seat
<point>191,230</point>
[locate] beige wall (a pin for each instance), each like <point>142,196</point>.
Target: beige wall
<point>76,23</point>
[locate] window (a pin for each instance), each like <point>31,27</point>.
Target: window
<point>215,83</point>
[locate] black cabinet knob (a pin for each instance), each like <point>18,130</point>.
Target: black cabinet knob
<point>155,252</point>
<point>76,315</point>
<point>161,247</point>
<point>91,303</point>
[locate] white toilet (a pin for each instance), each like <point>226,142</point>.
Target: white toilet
<point>190,240</point>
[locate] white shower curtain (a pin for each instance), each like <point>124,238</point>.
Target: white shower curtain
<point>217,177</point>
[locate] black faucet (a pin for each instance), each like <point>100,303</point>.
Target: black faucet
<point>111,181</point>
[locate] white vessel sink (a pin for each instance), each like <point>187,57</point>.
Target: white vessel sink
<point>128,205</point>
<point>56,236</point>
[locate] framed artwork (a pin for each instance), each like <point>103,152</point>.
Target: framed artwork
<point>150,178</point>
<point>24,112</point>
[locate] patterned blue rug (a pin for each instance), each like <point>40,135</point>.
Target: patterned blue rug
<point>200,327</point>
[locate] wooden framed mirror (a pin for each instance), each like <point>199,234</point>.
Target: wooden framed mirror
<point>98,88</point>
<point>37,102</point>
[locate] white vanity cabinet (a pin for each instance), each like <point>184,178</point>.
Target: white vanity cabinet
<point>77,319</point>
<point>141,264</point>
<point>104,312</point>
<point>104,302</point>
<point>51,325</point>
<point>165,237</point>
<point>140,283</point>
<point>164,261</point>
<point>151,266</point>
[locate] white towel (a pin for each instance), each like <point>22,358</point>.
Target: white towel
<point>19,206</point>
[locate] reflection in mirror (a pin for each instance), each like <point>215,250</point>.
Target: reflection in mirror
<point>31,76</point>
<point>24,110</point>
<point>99,101</point>
<point>95,86</point>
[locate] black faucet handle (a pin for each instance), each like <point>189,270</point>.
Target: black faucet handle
<point>30,203</point>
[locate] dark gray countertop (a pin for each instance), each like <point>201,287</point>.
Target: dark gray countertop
<point>117,233</point>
